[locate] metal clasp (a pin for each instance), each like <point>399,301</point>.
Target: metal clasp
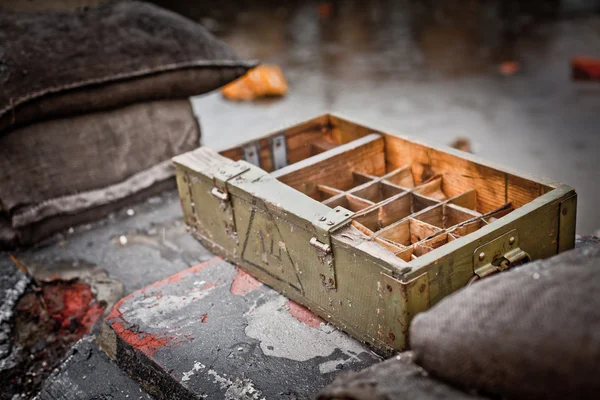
<point>325,225</point>
<point>218,194</point>
<point>325,248</point>
<point>498,255</point>
<point>222,174</point>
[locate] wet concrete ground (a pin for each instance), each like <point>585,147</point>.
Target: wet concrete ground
<point>429,71</point>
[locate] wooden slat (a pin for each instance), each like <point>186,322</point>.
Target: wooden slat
<point>521,191</point>
<point>334,167</point>
<point>433,216</point>
<point>320,145</point>
<point>467,199</point>
<point>400,207</point>
<point>420,230</point>
<point>344,131</point>
<point>471,227</point>
<point>397,233</point>
<point>426,246</point>
<point>401,177</point>
<point>406,254</point>
<point>454,215</point>
<point>460,175</point>
<point>362,228</point>
<point>349,202</point>
<point>298,139</point>
<point>393,247</point>
<point>377,191</point>
<point>356,203</point>
<point>369,219</point>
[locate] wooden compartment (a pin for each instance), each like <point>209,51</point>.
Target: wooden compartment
<point>333,213</point>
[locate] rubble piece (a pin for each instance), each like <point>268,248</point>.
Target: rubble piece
<point>462,143</point>
<point>530,332</point>
<point>86,374</point>
<point>213,331</point>
<point>13,283</point>
<point>508,68</point>
<point>585,69</point>
<point>43,328</point>
<point>397,378</point>
<point>262,81</point>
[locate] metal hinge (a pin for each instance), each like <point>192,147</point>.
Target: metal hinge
<point>498,255</point>
<point>279,152</point>
<point>325,225</point>
<point>252,154</point>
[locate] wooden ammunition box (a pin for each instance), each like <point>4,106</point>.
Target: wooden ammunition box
<point>368,228</point>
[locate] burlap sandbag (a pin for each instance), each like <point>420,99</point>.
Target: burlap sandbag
<point>397,378</point>
<point>532,332</point>
<point>58,64</point>
<point>60,173</point>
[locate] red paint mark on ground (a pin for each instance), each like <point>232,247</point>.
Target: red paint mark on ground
<point>243,283</point>
<point>143,341</point>
<point>210,285</point>
<point>180,275</point>
<point>303,314</point>
<point>72,306</point>
<point>204,317</point>
<point>147,342</point>
<point>46,325</point>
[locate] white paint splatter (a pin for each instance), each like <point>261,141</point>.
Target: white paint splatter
<point>241,389</point>
<point>297,341</point>
<point>198,366</point>
<point>159,312</point>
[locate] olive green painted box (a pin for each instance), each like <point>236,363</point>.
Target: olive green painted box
<point>366,227</point>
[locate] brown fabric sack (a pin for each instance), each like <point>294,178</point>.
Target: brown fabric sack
<point>531,332</point>
<point>397,378</point>
<point>59,173</point>
<point>57,64</point>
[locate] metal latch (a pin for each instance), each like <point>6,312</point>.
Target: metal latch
<point>221,175</point>
<point>498,255</point>
<point>325,225</point>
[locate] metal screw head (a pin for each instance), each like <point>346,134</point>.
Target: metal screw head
<point>330,223</point>
<point>481,256</point>
<point>322,219</point>
<point>511,241</point>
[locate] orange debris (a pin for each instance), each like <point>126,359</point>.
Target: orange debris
<point>325,9</point>
<point>585,68</point>
<point>262,81</point>
<point>509,67</point>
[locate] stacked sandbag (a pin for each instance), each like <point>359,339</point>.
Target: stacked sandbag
<point>398,378</point>
<point>94,103</point>
<point>529,333</point>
